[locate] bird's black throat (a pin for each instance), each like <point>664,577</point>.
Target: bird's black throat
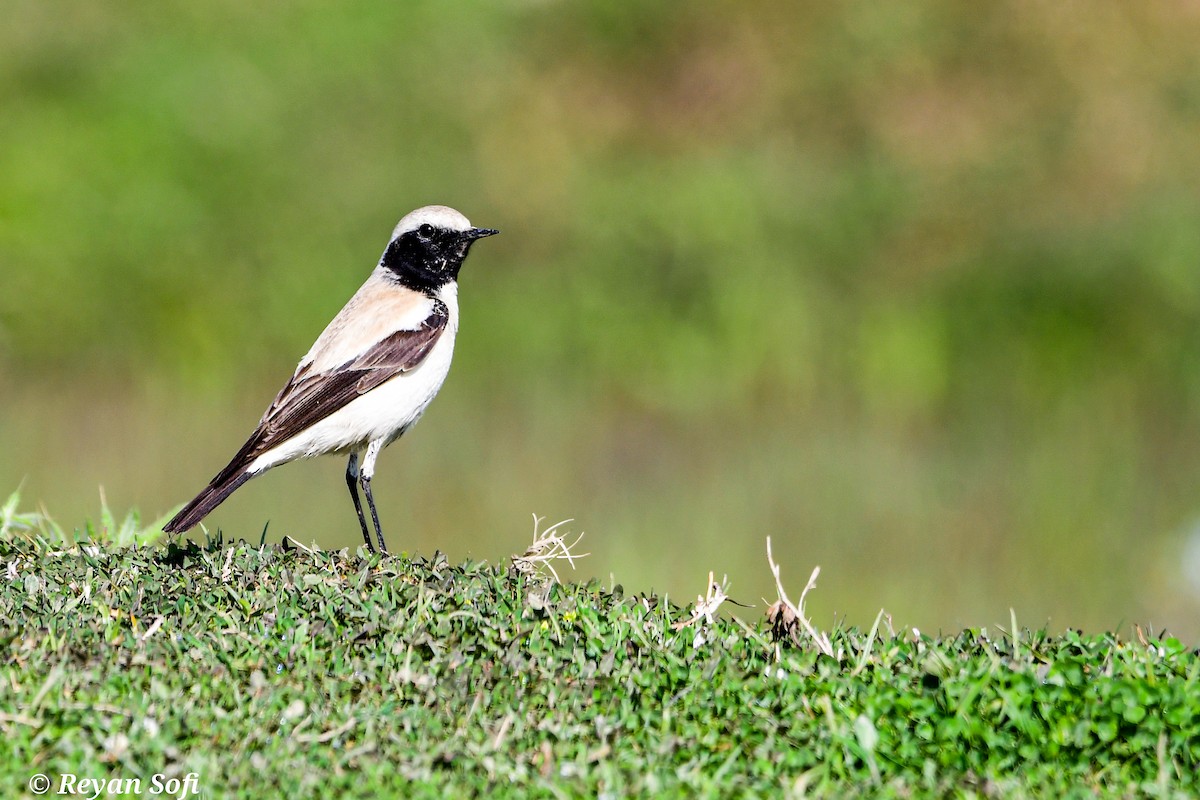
<point>426,260</point>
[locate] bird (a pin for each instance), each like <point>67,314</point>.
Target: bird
<point>371,373</point>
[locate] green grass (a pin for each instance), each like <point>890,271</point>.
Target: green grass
<point>329,674</point>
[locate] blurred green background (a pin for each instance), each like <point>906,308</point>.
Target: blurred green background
<point>911,288</point>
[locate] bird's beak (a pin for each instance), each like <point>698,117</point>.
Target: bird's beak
<point>478,233</point>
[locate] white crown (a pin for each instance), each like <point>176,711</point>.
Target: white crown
<point>437,216</point>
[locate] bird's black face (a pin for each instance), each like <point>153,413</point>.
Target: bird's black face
<point>430,256</point>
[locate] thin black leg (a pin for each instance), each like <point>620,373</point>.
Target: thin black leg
<point>352,482</point>
<point>366,484</point>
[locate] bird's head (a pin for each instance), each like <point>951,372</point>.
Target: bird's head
<point>429,245</point>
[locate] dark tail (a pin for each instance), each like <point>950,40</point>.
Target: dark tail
<point>213,495</point>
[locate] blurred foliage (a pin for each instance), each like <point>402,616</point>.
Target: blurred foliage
<point>915,285</point>
<point>107,532</point>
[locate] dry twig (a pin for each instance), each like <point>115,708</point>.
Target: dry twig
<point>548,546</point>
<point>707,603</point>
<point>784,615</point>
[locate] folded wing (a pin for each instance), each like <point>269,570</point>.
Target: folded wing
<point>311,396</point>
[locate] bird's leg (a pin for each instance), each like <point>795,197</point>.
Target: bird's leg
<point>364,477</point>
<point>366,484</point>
<point>352,482</point>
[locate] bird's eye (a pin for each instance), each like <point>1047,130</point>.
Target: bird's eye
<point>425,231</point>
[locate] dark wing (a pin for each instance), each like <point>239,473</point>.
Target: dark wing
<point>310,397</point>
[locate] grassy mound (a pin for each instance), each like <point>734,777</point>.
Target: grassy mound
<point>321,674</point>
